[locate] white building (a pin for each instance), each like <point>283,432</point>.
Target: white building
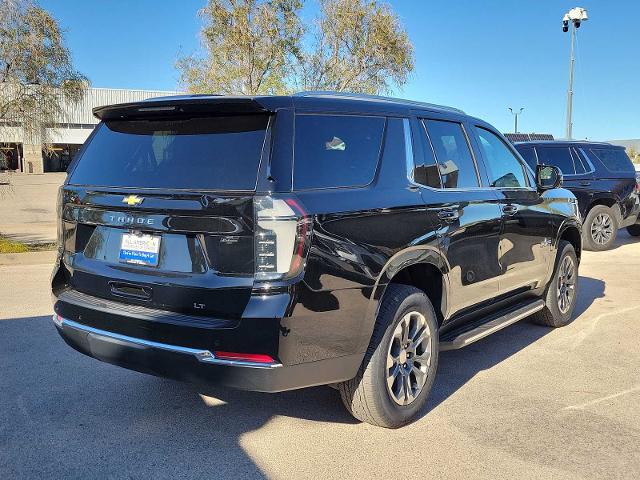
<point>67,136</point>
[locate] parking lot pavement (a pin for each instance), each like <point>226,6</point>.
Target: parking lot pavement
<point>527,402</point>
<point>28,201</point>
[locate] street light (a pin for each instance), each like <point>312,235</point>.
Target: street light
<point>516,114</point>
<point>576,16</point>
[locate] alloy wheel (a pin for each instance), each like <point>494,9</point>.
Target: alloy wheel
<point>566,284</point>
<point>408,358</point>
<point>602,228</point>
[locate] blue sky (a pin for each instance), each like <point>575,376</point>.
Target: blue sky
<point>481,56</point>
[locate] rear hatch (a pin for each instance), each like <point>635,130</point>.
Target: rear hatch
<point>158,211</point>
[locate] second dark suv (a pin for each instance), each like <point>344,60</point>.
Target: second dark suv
<point>274,243</point>
<point>602,178</point>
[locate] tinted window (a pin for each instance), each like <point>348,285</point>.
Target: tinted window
<point>558,156</point>
<point>529,156</point>
<point>192,153</point>
<point>581,161</point>
<point>426,173</point>
<point>578,162</point>
<point>336,150</point>
<point>504,169</point>
<point>455,162</point>
<point>614,159</point>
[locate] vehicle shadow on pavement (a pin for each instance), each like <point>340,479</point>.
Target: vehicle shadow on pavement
<point>623,239</point>
<point>65,415</point>
<point>457,367</point>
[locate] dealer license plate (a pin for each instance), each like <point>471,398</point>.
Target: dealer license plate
<point>140,249</point>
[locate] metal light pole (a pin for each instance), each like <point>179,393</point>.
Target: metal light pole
<point>516,114</point>
<point>576,16</point>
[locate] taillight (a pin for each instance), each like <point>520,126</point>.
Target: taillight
<point>246,357</point>
<point>281,239</point>
<point>638,183</point>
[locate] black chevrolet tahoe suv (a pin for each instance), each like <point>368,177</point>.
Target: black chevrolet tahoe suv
<point>602,178</point>
<point>271,243</point>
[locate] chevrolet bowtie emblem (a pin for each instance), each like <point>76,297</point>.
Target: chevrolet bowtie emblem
<point>132,200</point>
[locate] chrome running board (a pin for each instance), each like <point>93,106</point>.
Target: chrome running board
<point>454,340</point>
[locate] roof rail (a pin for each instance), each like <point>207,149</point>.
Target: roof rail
<point>379,98</point>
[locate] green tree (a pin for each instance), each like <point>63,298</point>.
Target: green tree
<point>250,47</point>
<point>359,46</point>
<point>36,73</point>
<point>258,47</point>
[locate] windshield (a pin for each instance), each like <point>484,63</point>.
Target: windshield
<point>212,153</point>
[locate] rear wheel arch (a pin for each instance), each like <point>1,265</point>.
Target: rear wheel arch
<point>609,202</point>
<point>428,278</point>
<point>421,266</point>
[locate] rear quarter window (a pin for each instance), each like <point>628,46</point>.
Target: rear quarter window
<point>336,150</point>
<point>614,159</point>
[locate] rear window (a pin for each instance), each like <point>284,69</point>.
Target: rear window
<point>213,153</point>
<point>336,150</point>
<point>614,159</point>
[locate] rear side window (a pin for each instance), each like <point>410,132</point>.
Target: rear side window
<point>336,150</point>
<point>558,156</point>
<point>426,171</point>
<point>216,153</point>
<point>455,162</point>
<point>614,159</point>
<point>529,156</point>
<point>505,170</point>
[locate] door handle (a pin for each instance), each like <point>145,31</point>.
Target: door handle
<point>585,183</point>
<point>509,209</point>
<point>448,215</point>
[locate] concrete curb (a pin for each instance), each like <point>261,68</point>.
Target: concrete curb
<point>29,258</point>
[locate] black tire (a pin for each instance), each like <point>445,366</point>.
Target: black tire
<point>367,396</point>
<point>589,242</point>
<point>634,230</point>
<point>552,315</point>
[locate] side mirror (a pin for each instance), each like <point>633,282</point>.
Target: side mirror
<point>548,177</point>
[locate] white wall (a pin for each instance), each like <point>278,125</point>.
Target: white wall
<point>69,135</point>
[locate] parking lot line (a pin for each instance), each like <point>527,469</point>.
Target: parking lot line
<point>582,406</point>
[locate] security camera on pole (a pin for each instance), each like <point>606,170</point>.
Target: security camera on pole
<point>576,16</point>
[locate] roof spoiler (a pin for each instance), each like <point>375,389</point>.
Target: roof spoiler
<point>196,105</point>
